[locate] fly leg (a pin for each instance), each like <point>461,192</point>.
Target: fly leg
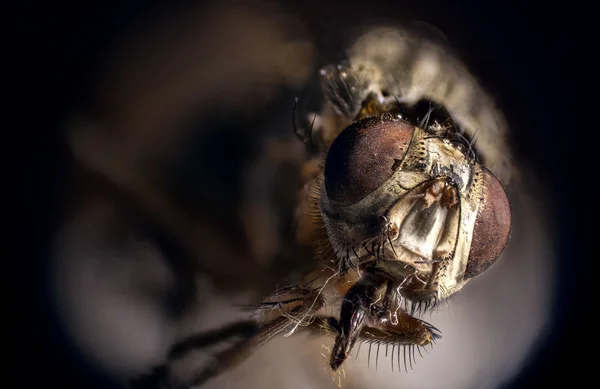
<point>356,308</point>
<point>407,336</point>
<point>163,378</point>
<point>288,310</point>
<point>382,312</point>
<point>365,318</point>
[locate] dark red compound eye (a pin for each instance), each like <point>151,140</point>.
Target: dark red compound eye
<point>492,226</point>
<point>363,157</point>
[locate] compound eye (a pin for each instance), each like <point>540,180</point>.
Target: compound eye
<point>363,157</point>
<point>492,226</point>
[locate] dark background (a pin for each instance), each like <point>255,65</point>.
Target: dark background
<point>527,55</point>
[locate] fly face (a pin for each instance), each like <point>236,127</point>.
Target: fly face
<point>427,213</point>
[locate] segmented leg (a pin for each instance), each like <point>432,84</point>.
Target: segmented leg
<point>407,334</point>
<point>285,312</point>
<point>356,307</point>
<point>162,377</point>
<point>365,317</point>
<point>382,311</point>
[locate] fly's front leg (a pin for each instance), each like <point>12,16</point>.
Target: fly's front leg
<point>356,308</point>
<point>286,311</point>
<point>406,337</point>
<point>382,311</point>
<point>365,317</point>
<point>164,377</point>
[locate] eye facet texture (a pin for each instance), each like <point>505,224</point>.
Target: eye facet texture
<point>363,157</point>
<point>492,226</point>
